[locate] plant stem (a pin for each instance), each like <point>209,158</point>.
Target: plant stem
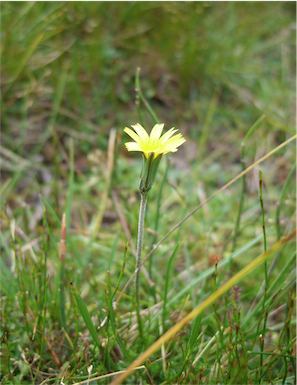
<point>264,311</point>
<point>138,254</point>
<point>62,256</point>
<point>250,132</point>
<point>241,197</point>
<point>281,199</point>
<point>142,98</point>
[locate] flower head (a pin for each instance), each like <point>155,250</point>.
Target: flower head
<point>152,147</point>
<point>155,143</point>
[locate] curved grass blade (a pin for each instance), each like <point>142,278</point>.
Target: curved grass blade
<point>87,318</point>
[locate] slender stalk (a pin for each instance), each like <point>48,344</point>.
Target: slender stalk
<point>263,213</point>
<point>62,256</point>
<point>142,98</point>
<point>138,254</point>
<point>250,132</point>
<point>281,199</point>
<point>137,97</point>
<point>264,311</point>
<point>156,228</point>
<point>242,197</point>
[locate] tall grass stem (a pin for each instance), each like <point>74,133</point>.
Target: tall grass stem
<point>142,209</point>
<point>62,255</point>
<point>166,287</point>
<point>243,144</point>
<point>281,199</point>
<point>264,312</point>
<point>156,228</point>
<point>139,96</point>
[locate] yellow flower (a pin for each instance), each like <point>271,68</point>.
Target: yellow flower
<point>155,143</point>
<point>152,147</point>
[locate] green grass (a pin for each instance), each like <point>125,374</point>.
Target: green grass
<point>210,69</point>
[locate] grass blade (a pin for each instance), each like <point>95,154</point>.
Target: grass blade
<point>254,127</point>
<point>62,256</point>
<point>142,98</point>
<point>166,286</point>
<point>24,60</point>
<point>281,199</point>
<point>87,318</point>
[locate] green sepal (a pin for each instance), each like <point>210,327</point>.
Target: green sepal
<point>148,172</point>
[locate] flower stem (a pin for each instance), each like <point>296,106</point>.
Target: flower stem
<point>138,254</point>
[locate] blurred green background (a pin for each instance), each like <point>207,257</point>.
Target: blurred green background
<point>77,61</point>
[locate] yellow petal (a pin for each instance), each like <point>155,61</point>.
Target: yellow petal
<point>157,131</point>
<point>133,135</point>
<point>168,134</point>
<point>140,131</point>
<point>172,144</point>
<point>132,146</point>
